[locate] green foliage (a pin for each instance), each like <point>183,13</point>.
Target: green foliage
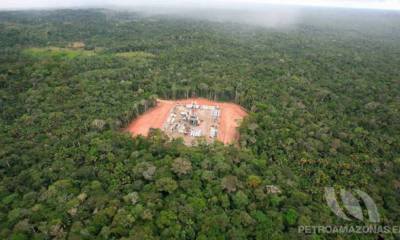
<point>134,55</point>
<point>290,217</point>
<point>240,199</point>
<point>181,166</point>
<point>166,185</point>
<point>323,102</point>
<point>55,52</point>
<point>254,181</point>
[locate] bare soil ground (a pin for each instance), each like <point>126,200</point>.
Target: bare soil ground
<point>231,115</point>
<point>154,118</point>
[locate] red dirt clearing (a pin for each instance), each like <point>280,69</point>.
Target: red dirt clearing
<point>231,115</point>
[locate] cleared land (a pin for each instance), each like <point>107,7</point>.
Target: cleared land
<point>229,119</point>
<point>76,50</point>
<point>58,52</point>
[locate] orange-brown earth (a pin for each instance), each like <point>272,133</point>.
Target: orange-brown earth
<point>230,117</point>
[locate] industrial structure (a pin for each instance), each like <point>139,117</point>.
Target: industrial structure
<point>190,121</point>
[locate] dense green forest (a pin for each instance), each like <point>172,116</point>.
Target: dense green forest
<point>323,97</point>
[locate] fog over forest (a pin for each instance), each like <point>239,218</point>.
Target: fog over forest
<point>239,4</point>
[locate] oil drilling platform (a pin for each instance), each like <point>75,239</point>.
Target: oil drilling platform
<point>191,121</point>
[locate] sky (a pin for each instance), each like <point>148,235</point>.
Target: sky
<point>27,4</point>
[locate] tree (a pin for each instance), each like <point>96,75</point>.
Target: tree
<point>229,183</point>
<point>181,166</point>
<point>166,184</point>
<point>290,217</point>
<point>240,199</point>
<point>254,181</point>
